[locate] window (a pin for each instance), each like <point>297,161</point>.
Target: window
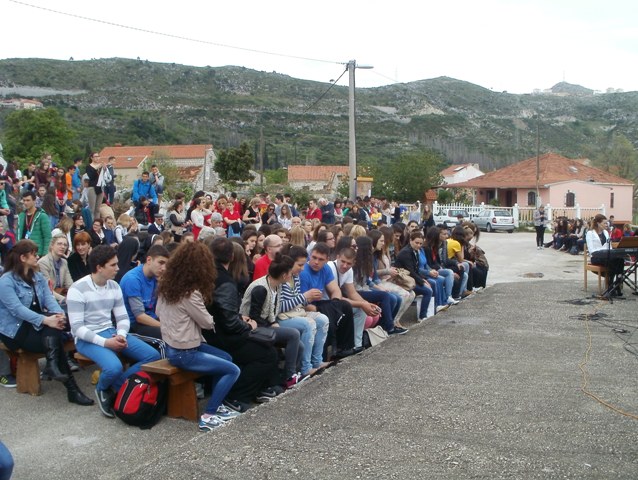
<point>531,198</point>
<point>570,199</point>
<point>611,200</point>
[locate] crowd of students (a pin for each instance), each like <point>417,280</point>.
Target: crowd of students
<point>258,295</point>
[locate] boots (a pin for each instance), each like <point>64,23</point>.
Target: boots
<point>54,355</point>
<point>74,393</point>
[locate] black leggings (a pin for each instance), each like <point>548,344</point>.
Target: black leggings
<point>31,340</point>
<point>540,235</point>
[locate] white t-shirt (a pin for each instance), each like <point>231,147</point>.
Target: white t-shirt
<point>342,278</point>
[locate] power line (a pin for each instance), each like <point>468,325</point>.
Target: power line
<point>332,84</point>
<point>170,35</point>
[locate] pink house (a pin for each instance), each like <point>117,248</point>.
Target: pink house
<point>562,182</point>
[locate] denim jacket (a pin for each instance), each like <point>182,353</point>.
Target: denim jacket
<point>16,299</point>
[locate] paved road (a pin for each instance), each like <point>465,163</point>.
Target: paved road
<point>489,389</point>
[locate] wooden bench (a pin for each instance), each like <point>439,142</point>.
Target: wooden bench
<point>182,397</point>
<point>28,368</point>
<point>599,270</point>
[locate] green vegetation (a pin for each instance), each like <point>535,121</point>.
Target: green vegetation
<point>233,165</point>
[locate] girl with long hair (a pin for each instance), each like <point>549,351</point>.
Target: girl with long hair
<point>183,293</point>
<point>31,319</point>
<point>365,285</point>
<point>385,272</point>
<point>431,249</point>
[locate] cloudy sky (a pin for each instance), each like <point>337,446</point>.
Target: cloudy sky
<point>512,45</point>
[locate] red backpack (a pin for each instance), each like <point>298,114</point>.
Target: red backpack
<point>141,401</point>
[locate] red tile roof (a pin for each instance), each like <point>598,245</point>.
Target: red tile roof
<point>188,174</point>
<point>554,168</point>
<point>132,157</point>
<point>315,173</point>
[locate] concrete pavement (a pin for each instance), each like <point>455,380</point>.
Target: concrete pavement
<point>489,389</point>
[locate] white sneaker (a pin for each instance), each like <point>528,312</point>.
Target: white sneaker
<point>451,301</point>
<point>210,423</point>
<point>442,308</point>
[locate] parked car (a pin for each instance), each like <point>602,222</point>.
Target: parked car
<point>449,218</point>
<point>491,220</point>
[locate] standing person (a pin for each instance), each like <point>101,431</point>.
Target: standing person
<point>182,298</point>
<point>76,182</point>
<point>96,181</point>
<point>327,211</point>
<point>109,188</point>
<point>34,224</point>
<point>157,180</point>
<point>313,211</point>
<point>139,289</point>
<point>540,222</point>
<point>92,301</point>
<point>31,319</point>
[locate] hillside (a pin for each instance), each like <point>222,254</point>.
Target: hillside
<point>136,102</point>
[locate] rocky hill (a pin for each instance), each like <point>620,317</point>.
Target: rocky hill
<point>136,102</point>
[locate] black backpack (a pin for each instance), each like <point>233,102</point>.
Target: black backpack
<point>141,401</point>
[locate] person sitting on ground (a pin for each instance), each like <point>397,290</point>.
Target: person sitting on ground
<point>183,294</point>
<point>257,361</point>
<point>31,319</point>
<point>261,303</point>
<point>476,256</point>
<point>157,226</point>
<point>373,293</point>
<point>144,213</point>
<point>318,279</point>
<point>92,301</point>
<point>78,261</point>
<point>408,258</point>
<point>295,311</point>
<point>98,236</point>
<point>139,289</point>
<point>385,272</point>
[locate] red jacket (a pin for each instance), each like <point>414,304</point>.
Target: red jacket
<point>316,213</point>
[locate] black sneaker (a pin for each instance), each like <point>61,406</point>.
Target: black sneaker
<point>236,405</point>
<point>398,331</point>
<point>8,381</point>
<point>105,399</point>
<point>266,395</point>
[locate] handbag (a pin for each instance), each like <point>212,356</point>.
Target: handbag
<point>374,336</point>
<point>403,279</point>
<point>263,335</point>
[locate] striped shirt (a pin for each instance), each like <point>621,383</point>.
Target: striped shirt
<point>90,307</point>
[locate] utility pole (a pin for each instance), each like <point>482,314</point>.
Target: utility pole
<point>538,161</point>
<point>352,150</point>
<point>261,157</point>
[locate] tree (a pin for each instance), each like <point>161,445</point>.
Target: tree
<point>407,177</point>
<point>30,133</point>
<point>173,183</point>
<point>233,164</point>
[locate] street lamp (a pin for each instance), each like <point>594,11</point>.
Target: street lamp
<point>352,154</point>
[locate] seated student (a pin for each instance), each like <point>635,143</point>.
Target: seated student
<point>78,261</point>
<point>598,246</point>
<point>183,293</point>
<point>257,361</point>
<point>139,289</point>
<point>92,301</point>
<point>296,312</point>
<point>144,212</point>
<point>157,226</point>
<point>31,319</point>
<point>6,462</point>
<point>455,253</point>
<point>408,258</point>
<point>7,241</point>
<point>55,269</point>
<point>451,263</point>
<point>261,302</point>
<point>98,236</point>
<point>371,292</point>
<point>431,249</point>
<point>318,279</point>
<point>476,256</point>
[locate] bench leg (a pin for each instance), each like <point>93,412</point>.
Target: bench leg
<point>28,373</point>
<point>182,401</point>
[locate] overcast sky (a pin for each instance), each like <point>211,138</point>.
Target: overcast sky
<point>510,45</point>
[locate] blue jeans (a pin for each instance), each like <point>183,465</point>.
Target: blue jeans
<point>388,305</point>
<point>6,462</point>
<point>440,290</point>
<point>313,337</point>
<point>359,320</point>
<point>426,292</point>
<point>210,361</point>
<point>113,374</point>
<point>449,280</point>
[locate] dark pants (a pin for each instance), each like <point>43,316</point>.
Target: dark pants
<point>31,340</point>
<point>341,328</point>
<point>257,364</point>
<point>146,330</point>
<point>615,266</point>
<point>540,234</point>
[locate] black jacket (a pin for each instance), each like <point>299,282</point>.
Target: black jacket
<point>407,258</point>
<point>225,306</point>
